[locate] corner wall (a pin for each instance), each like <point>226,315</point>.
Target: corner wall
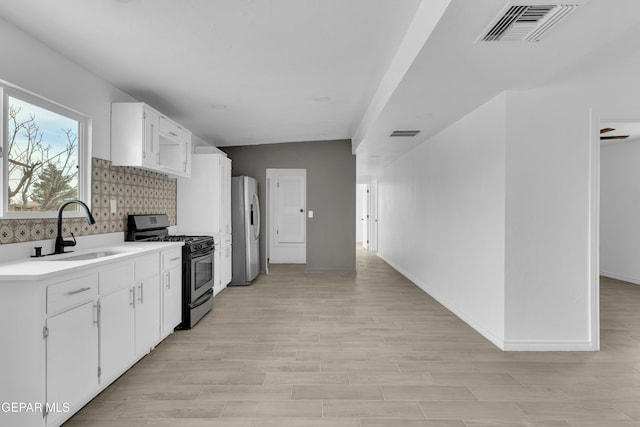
<point>553,163</point>
<point>441,217</point>
<point>331,194</point>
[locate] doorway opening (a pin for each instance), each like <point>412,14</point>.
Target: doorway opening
<point>616,267</point>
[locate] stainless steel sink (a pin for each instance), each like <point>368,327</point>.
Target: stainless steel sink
<point>86,256</point>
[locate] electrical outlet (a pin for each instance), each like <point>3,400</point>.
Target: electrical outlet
<point>114,206</point>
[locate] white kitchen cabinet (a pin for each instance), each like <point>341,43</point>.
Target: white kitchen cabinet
<point>225,261</point>
<point>175,148</point>
<point>146,294</point>
<point>72,359</point>
<point>135,135</point>
<point>204,201</point>
<point>143,137</point>
<point>79,329</point>
<point>204,208</point>
<point>225,196</point>
<point>117,321</point>
<point>171,291</point>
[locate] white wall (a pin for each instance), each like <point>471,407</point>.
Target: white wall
<point>31,65</point>
<point>442,213</point>
<point>548,200</point>
<point>620,210</point>
<point>552,190</point>
<point>547,214</point>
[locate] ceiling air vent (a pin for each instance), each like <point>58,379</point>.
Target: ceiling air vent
<point>404,133</point>
<point>526,22</point>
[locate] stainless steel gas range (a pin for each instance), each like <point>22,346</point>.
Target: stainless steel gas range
<point>197,263</point>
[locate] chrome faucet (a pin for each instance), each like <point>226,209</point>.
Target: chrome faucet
<point>60,242</point>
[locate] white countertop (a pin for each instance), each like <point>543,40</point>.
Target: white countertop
<point>53,265</point>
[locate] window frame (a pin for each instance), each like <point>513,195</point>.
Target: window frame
<point>84,151</point>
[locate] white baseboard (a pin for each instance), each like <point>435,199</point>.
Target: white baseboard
<point>549,346</point>
<point>497,341</point>
<point>633,280</point>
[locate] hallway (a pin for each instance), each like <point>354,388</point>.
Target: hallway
<point>368,350</point>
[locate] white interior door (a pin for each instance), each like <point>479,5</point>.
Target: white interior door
<point>287,215</point>
<point>365,217</point>
<point>373,216</point>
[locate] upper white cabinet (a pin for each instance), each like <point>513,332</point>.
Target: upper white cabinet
<point>143,137</point>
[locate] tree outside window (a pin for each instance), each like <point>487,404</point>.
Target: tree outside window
<point>42,157</point>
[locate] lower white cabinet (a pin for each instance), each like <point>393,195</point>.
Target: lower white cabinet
<point>116,334</point>
<point>72,359</point>
<point>171,290</point>
<point>77,334</point>
<point>225,264</point>
<point>146,294</point>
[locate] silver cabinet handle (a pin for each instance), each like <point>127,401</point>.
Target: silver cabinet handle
<point>140,294</point>
<point>175,259</point>
<point>168,276</point>
<point>173,133</point>
<point>77,291</point>
<point>96,320</point>
<point>132,293</point>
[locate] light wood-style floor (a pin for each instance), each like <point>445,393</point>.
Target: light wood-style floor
<point>368,350</point>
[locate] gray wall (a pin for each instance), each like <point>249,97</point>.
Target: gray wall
<point>331,194</point>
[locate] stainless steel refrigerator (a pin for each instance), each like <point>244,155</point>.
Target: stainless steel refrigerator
<point>245,223</point>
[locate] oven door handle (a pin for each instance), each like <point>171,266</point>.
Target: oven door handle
<point>203,299</point>
<point>201,254</point>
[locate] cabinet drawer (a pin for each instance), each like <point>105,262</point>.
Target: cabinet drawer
<point>115,278</point>
<point>170,129</point>
<point>171,259</point>
<point>146,266</point>
<point>71,292</point>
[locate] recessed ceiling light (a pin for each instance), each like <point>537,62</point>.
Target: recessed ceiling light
<point>322,99</point>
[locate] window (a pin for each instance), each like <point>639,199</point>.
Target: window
<point>45,156</point>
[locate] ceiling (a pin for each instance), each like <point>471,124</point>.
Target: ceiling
<point>242,72</point>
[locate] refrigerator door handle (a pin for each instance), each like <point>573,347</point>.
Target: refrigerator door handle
<point>256,205</point>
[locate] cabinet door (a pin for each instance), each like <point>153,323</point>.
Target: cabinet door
<point>72,359</point>
<point>151,153</point>
<point>117,329</point>
<point>217,270</point>
<point>226,265</point>
<point>172,300</point>
<point>187,153</point>
<point>147,313</point>
<point>225,195</point>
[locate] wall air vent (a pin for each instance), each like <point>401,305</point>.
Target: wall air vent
<point>526,22</point>
<point>404,133</point>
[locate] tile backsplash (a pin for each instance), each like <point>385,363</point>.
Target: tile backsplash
<point>136,191</point>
